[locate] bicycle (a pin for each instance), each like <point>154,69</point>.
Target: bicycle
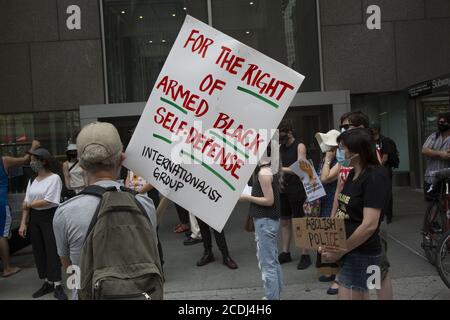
<point>443,259</point>
<point>436,221</point>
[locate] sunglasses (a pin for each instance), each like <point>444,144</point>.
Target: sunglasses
<point>344,126</point>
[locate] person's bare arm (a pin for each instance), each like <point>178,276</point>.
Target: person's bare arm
<point>301,154</point>
<point>329,174</point>
<point>265,180</point>
<point>435,154</point>
<point>364,231</point>
<point>37,204</point>
<point>11,162</point>
<point>66,263</point>
<point>301,151</point>
<point>146,188</point>
<point>335,200</point>
<point>24,221</point>
<point>384,159</point>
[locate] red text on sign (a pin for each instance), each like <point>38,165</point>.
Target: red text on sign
<point>199,44</point>
<point>266,84</point>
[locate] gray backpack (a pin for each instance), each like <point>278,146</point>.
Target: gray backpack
<point>119,258</point>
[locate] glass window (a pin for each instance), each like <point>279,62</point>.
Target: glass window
<point>138,37</point>
<point>389,110</point>
<point>285,30</point>
<point>53,129</point>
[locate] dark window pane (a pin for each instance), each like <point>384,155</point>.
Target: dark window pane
<point>139,35</point>
<point>285,30</point>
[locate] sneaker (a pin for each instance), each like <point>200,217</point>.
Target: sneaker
<point>45,289</point>
<point>192,241</point>
<point>284,257</point>
<point>59,293</point>
<point>305,262</point>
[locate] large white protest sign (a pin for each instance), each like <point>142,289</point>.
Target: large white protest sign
<point>311,181</point>
<point>209,117</point>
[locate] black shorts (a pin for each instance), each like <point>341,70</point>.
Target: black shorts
<point>292,205</point>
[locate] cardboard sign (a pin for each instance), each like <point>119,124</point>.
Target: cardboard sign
<point>209,118</point>
<point>309,178</point>
<point>312,233</point>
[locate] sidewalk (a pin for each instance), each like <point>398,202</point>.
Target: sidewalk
<point>413,276</point>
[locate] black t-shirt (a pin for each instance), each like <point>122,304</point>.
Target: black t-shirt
<point>369,190</point>
<point>291,182</point>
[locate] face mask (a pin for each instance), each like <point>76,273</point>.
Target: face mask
<point>284,139</point>
<point>340,157</point>
<point>443,127</point>
<point>36,166</point>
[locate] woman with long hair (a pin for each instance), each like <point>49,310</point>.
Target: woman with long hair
<point>361,200</point>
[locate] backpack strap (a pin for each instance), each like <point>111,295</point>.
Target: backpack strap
<point>97,191</point>
<point>73,166</point>
<point>140,206</point>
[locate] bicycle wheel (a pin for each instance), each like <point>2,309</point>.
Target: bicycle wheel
<point>443,259</point>
<point>434,225</point>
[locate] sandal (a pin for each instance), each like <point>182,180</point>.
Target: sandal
<point>181,229</point>
<point>16,271</point>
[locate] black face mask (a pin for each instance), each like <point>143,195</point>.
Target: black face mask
<point>442,127</point>
<point>284,139</point>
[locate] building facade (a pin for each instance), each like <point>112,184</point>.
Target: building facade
<point>66,63</point>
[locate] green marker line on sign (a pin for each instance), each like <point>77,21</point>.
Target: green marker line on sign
<point>250,92</point>
<point>157,136</point>
<point>209,169</point>
<point>173,105</point>
<point>230,144</point>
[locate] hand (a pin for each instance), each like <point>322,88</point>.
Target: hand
<point>330,155</point>
<point>23,230</point>
<point>331,256</point>
<point>445,155</point>
<point>35,144</point>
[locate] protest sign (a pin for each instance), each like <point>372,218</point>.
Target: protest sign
<point>309,178</point>
<point>312,233</point>
<point>209,117</point>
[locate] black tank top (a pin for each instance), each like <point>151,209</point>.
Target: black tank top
<point>289,155</point>
<point>272,212</point>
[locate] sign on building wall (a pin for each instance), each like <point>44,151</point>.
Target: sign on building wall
<point>209,117</point>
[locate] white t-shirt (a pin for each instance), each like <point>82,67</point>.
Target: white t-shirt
<point>48,189</point>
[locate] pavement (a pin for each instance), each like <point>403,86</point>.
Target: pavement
<point>413,277</point>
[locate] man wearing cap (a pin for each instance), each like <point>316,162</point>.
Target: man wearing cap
<point>100,154</point>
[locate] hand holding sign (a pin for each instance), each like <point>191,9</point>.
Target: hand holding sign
<point>310,180</point>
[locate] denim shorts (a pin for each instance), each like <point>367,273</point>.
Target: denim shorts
<point>355,271</point>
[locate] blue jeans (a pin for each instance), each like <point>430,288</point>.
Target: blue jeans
<point>266,231</point>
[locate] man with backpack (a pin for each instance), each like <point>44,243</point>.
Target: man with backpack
<point>107,230</point>
<point>389,158</point>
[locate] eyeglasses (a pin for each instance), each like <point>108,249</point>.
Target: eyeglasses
<point>344,126</point>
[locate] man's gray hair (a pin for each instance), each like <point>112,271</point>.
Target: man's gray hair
<point>93,160</point>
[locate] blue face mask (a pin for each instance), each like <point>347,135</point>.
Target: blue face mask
<point>340,157</point>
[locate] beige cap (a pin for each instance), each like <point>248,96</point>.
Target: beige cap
<point>95,135</point>
<point>327,140</point>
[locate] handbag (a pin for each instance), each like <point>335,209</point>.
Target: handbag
<point>249,225</point>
